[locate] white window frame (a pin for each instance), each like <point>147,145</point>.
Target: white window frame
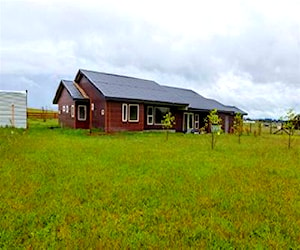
<point>72,111</point>
<point>92,106</point>
<point>137,110</point>
<point>67,108</point>
<point>63,108</point>
<point>78,112</point>
<point>150,116</point>
<point>196,121</point>
<point>124,112</point>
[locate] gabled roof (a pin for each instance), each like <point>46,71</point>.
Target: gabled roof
<point>73,89</point>
<point>118,87</point>
<point>124,87</point>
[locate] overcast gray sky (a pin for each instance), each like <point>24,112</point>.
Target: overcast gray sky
<point>239,52</point>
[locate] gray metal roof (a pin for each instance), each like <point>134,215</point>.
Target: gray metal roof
<point>198,102</point>
<point>124,87</point>
<point>72,89</point>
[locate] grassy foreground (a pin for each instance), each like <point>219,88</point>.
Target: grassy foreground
<point>62,189</point>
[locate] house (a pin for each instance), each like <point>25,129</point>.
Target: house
<point>13,109</point>
<point>121,103</point>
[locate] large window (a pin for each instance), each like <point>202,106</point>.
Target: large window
<point>149,115</point>
<point>159,113</point>
<point>130,112</point>
<point>81,113</point>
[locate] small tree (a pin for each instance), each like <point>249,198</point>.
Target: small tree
<point>213,121</point>
<point>168,122</point>
<point>238,125</point>
<point>290,124</point>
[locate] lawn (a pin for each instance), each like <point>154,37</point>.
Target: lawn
<point>63,188</point>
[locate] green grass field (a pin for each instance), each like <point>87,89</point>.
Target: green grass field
<point>66,189</point>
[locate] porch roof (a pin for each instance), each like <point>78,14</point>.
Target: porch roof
<point>73,90</point>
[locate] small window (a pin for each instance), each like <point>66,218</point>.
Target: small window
<point>72,111</point>
<point>92,106</point>
<point>63,108</point>
<point>196,121</point>
<point>149,115</point>
<point>124,112</point>
<point>81,112</point>
<point>133,112</point>
<point>67,109</point>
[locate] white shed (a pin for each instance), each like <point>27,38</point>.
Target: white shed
<point>13,109</point>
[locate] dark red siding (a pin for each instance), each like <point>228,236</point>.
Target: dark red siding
<point>178,121</point>
<point>64,118</point>
<point>96,97</point>
<point>83,124</point>
<point>114,118</point>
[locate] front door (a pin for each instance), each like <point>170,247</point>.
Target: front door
<point>188,122</point>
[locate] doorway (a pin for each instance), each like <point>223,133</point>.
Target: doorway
<point>188,122</point>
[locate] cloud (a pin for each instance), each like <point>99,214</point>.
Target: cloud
<point>243,53</point>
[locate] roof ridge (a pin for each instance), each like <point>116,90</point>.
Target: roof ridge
<point>117,75</point>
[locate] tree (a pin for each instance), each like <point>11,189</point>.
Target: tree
<point>238,125</point>
<point>168,122</point>
<point>290,124</point>
<point>213,121</point>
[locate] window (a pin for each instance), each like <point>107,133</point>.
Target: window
<point>81,112</point>
<point>133,112</point>
<point>149,115</point>
<point>72,111</point>
<point>130,112</point>
<point>159,113</point>
<point>67,109</point>
<point>124,112</point>
<point>196,121</point>
<point>92,106</point>
<point>63,108</point>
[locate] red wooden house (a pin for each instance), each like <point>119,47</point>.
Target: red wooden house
<point>120,103</point>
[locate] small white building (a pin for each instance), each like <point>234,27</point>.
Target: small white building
<point>13,109</point>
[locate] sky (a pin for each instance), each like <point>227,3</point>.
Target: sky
<point>240,52</point>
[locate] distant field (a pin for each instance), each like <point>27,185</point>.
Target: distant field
<point>35,110</point>
<point>33,113</point>
<point>63,188</point>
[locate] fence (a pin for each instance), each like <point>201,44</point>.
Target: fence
<point>42,115</point>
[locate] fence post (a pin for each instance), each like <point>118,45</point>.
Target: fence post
<point>13,115</point>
